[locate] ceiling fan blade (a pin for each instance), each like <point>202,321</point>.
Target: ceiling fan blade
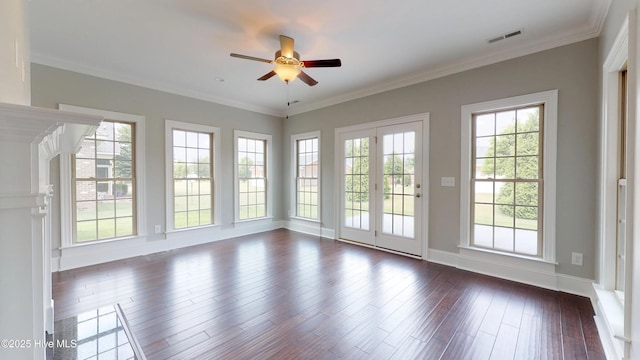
<point>250,58</point>
<point>306,79</point>
<point>286,46</point>
<point>322,63</point>
<point>267,76</point>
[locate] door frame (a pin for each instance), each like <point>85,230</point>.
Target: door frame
<point>424,228</point>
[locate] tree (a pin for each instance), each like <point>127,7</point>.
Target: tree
<point>397,171</point>
<point>358,176</point>
<point>123,157</point>
<point>244,168</point>
<point>525,164</point>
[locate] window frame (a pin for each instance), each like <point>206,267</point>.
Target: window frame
<point>215,159</point>
<point>294,175</point>
<point>237,134</point>
<point>550,101</point>
<point>67,198</point>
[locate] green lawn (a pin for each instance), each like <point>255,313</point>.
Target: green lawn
<point>99,221</point>
<point>484,215</point>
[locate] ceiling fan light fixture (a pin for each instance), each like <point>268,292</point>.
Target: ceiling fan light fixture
<point>287,72</point>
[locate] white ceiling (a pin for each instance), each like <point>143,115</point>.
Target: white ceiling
<point>183,46</point>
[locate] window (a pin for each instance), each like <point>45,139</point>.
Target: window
<point>306,159</point>
<point>508,176</point>
<point>104,183</point>
<point>191,173</point>
<point>251,163</point>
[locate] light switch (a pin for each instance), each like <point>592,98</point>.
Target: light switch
<point>448,181</point>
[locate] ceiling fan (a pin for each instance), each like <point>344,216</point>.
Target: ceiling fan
<point>287,63</point>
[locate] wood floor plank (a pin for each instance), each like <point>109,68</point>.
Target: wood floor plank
<point>286,295</point>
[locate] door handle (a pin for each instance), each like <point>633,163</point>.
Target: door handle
<point>418,195</point>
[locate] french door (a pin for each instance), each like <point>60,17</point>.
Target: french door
<point>381,187</point>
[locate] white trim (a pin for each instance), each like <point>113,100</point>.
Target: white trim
<point>294,164</point>
<point>536,273</point>
<point>310,228</point>
<point>66,204</point>
<point>169,126</point>
<point>268,168</point>
<point>613,319</point>
<point>550,100</point>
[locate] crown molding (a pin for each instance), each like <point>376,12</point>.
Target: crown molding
<point>489,58</point>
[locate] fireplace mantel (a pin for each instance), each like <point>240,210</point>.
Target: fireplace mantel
<point>29,138</point>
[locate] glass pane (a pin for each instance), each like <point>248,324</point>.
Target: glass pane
<point>527,144</point>
<point>180,203</point>
<point>527,167</point>
<point>527,217</point>
<point>123,189</point>
<point>484,147</point>
<point>505,145</point>
<point>527,193</point>
<point>124,207</point>
<point>483,192</point>
<point>86,230</point>
<point>504,215</point>
<point>485,124</point>
<point>106,228</point>
<point>106,209</point>
<point>87,149</point>
<point>192,139</point>
<point>483,235</point>
<point>505,167</point>
<point>506,122</point>
<point>179,138</point>
<point>483,214</point>
<point>193,218</point>
<point>86,210</point>
<point>123,169</point>
<point>124,226</point>
<point>123,150</point>
<point>204,141</point>
<point>123,132</point>
<point>180,187</point>
<point>180,220</point>
<point>504,193</point>
<point>485,168</point>
<point>205,217</point>
<point>205,187</point>
<point>85,168</point>
<point>205,202</point>
<point>192,155</point>
<point>503,238</point>
<point>526,242</point>
<point>529,119</point>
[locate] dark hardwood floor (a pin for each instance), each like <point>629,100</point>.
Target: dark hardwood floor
<point>286,295</point>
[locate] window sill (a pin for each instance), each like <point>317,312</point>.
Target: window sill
<point>297,218</point>
<point>509,255</point>
<point>181,230</point>
<point>612,311</point>
<point>269,218</point>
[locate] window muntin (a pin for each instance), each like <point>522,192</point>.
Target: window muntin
<point>251,172</point>
<point>307,177</point>
<point>192,169</point>
<point>103,180</point>
<point>507,180</point>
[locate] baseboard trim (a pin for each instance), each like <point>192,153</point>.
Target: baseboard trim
<point>93,254</point>
<point>542,275</point>
<point>309,228</point>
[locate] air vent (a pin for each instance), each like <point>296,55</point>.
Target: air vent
<point>505,36</point>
